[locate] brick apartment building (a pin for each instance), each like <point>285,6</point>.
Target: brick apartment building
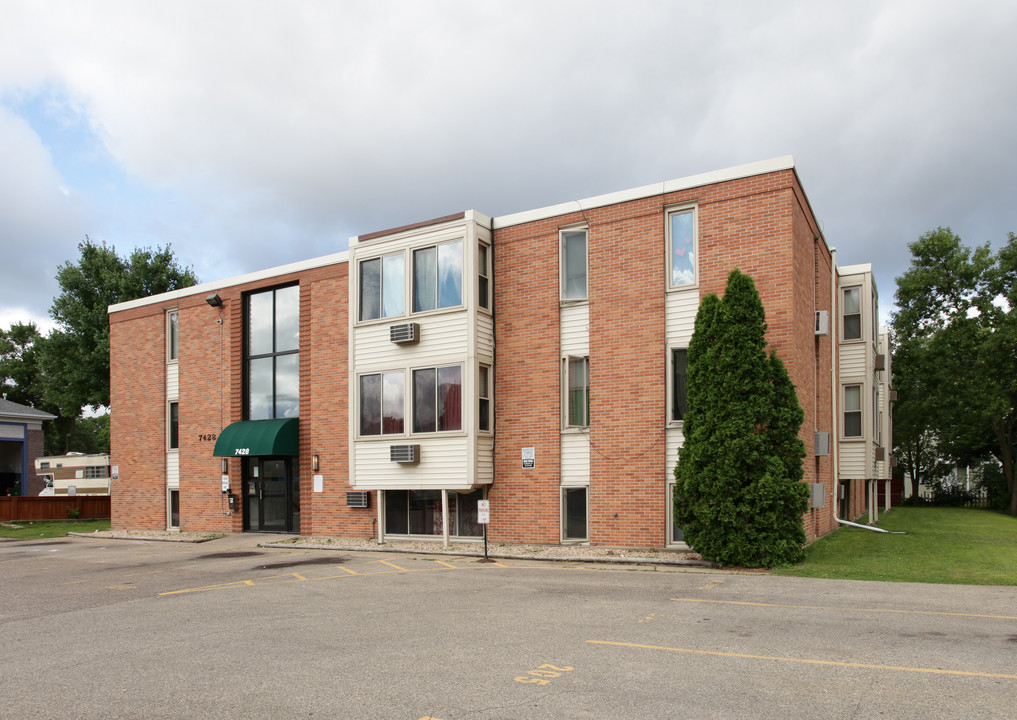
<point>536,360</point>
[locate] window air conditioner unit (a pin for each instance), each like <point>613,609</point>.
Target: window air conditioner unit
<point>822,322</point>
<point>879,362</point>
<point>358,499</point>
<point>822,444</point>
<point>404,453</point>
<point>893,396</point>
<point>404,332</point>
<point>893,461</point>
<point>818,495</point>
<point>880,454</point>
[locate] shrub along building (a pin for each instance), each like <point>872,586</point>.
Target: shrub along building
<point>536,360</point>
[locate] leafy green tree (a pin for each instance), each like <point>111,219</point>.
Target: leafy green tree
<point>76,360</point>
<point>957,326</point>
<point>738,495</point>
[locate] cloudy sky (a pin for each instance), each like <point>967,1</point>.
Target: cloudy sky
<point>250,134</point>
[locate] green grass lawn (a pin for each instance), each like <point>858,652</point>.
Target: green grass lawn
<point>940,545</point>
<point>49,528</point>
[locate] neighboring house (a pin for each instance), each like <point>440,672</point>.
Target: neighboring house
<point>534,360</point>
<point>21,442</point>
<point>74,474</point>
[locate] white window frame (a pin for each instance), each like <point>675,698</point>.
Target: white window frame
<point>671,541</point>
<point>359,392</point>
<point>484,267</point>
<point>411,396</point>
<point>169,425</point>
<point>672,421</point>
<point>382,317</point>
<point>172,335</point>
<point>563,264</point>
<point>481,415</point>
<point>169,508</point>
<point>844,314</point>
<point>564,515</point>
<point>860,411</point>
<point>671,212</point>
<point>410,275</point>
<point>566,390</point>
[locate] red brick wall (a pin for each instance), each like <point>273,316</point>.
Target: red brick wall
<point>138,418</point>
<point>525,503</point>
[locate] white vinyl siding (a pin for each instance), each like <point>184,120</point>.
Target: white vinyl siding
<point>173,469</point>
<point>680,317</point>
<point>575,459</point>
<point>172,381</point>
<point>485,460</point>
<point>441,337</point>
<point>444,463</point>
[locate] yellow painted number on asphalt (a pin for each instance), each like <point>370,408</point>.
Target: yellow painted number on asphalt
<point>544,671</point>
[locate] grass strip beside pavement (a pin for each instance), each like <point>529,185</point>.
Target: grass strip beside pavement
<point>35,529</point>
<point>940,545</point>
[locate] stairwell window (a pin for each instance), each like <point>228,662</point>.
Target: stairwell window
<point>679,383</point>
<point>172,335</point>
<point>573,265</point>
<point>577,391</point>
<point>682,248</point>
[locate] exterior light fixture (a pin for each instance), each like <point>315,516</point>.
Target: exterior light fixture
<point>314,463</point>
<point>214,300</point>
<point>225,466</point>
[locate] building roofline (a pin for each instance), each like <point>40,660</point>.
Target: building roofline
<point>210,287</point>
<point>785,162</point>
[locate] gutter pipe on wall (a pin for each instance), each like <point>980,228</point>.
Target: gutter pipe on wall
<point>869,527</point>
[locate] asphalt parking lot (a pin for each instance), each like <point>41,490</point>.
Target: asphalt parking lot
<point>227,629</point>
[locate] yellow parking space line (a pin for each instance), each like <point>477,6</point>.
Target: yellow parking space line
<point>220,586</point>
<point>808,661</point>
<point>390,564</point>
<point>448,565</point>
<point>346,569</point>
<point>298,576</point>
<point>846,609</point>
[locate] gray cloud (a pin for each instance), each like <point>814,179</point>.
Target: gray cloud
<point>279,130</point>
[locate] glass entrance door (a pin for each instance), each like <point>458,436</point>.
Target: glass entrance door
<point>271,496</point>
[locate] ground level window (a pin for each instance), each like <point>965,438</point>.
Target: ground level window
<point>419,512</point>
<point>675,534</point>
<point>174,508</point>
<point>575,513</point>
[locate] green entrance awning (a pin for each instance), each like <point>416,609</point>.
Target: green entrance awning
<point>258,437</point>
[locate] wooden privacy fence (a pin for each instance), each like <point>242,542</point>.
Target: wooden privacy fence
<point>90,507</point>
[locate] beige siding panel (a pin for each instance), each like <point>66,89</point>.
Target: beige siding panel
<point>485,460</point>
<point>485,336</point>
<point>853,463</point>
<point>674,439</point>
<point>173,469</point>
<point>443,338</point>
<point>575,329</point>
<point>680,310</point>
<point>444,463</point>
<point>172,381</point>
<point>852,361</point>
<point>575,459</point>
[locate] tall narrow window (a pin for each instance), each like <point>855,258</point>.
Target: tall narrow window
<point>852,314</point>
<point>484,276</point>
<point>852,411</point>
<point>272,353</point>
<point>578,392</point>
<point>382,403</point>
<point>437,399</point>
<point>438,276</point>
<point>682,247</point>
<point>573,264</point>
<point>676,534</point>
<point>172,334</point>
<point>382,282</point>
<point>484,393</point>
<point>679,383</point>
<point>174,426</point>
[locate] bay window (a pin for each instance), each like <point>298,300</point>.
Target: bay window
<point>438,276</point>
<point>853,314</point>
<point>437,399</point>
<point>852,411</point>
<point>382,283</point>
<point>382,403</point>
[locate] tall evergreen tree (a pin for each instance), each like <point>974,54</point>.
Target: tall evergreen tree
<point>738,496</point>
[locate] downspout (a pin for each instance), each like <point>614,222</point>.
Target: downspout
<point>834,384</point>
